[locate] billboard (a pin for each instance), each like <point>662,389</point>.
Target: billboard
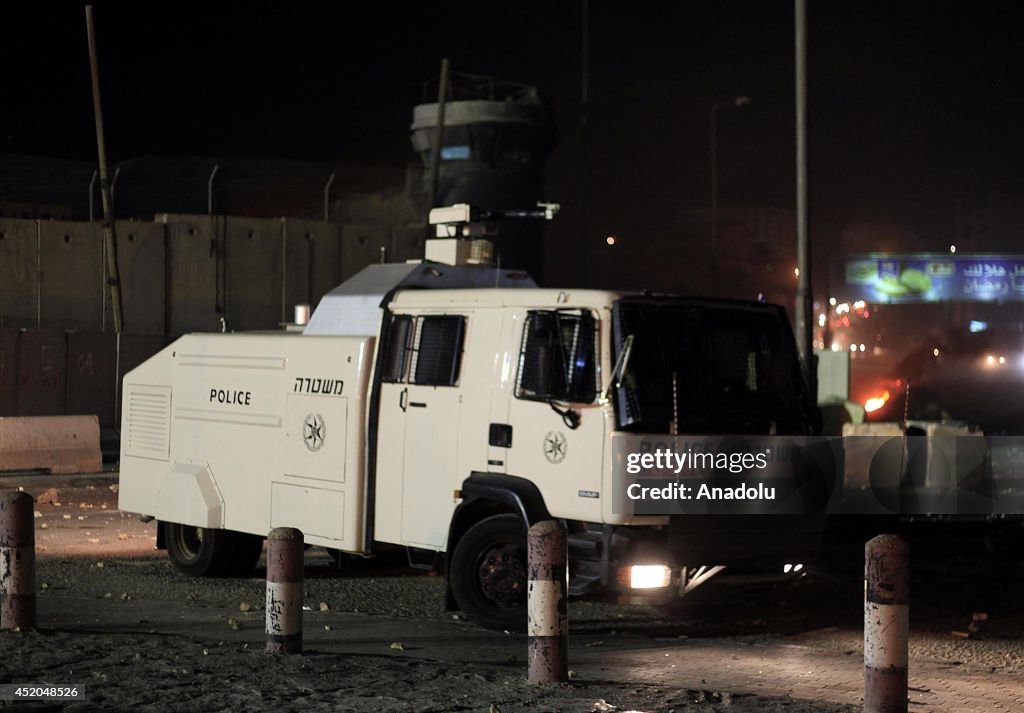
<point>936,277</point>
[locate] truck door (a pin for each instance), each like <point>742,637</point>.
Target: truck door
<point>417,443</point>
<point>559,427</point>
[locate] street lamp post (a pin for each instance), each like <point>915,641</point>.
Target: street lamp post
<point>737,102</point>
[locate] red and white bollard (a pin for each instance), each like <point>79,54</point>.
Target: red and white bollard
<point>285,555</point>
<point>17,561</point>
<point>886,624</point>
<point>547,600</point>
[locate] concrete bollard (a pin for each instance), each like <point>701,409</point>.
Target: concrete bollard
<point>547,600</point>
<point>17,561</point>
<point>285,554</point>
<point>886,624</point>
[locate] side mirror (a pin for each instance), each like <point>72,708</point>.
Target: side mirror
<point>619,370</point>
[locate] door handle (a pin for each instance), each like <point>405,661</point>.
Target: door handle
<point>417,404</point>
<point>403,398</point>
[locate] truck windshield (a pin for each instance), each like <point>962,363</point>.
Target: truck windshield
<point>711,367</point>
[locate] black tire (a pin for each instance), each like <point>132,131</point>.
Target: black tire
<point>488,573</point>
<point>199,551</point>
<point>248,549</point>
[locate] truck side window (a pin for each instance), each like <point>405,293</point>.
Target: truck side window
<point>397,348</point>
<point>556,357</point>
<point>438,351</point>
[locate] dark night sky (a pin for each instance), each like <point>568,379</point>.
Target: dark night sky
<point>914,107</point>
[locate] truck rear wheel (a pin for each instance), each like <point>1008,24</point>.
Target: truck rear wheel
<point>248,549</point>
<point>205,552</point>
<point>488,573</point>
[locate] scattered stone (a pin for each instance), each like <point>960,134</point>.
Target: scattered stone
<point>244,606</point>
<point>67,517</point>
<point>37,514</point>
<point>324,606</point>
<point>398,646</point>
<point>327,627</point>
<point>48,496</point>
<point>100,565</point>
<point>122,535</point>
<point>94,540</point>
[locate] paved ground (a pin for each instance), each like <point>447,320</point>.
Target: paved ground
<point>107,598</point>
<point>795,667</point>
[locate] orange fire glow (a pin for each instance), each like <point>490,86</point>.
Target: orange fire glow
<point>876,402</point>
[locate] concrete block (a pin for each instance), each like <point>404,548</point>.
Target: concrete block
<point>59,444</point>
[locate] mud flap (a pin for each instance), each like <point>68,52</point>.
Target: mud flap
<point>189,496</point>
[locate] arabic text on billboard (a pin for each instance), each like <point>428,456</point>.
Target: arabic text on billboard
<point>935,278</point>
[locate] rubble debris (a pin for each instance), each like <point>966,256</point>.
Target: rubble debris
<point>48,496</point>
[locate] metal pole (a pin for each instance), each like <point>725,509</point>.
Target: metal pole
<point>109,234</point>
<point>714,198</point>
<point>39,274</point>
<point>284,591</point>
<point>435,155</point>
<point>804,303</point>
<point>113,185</point>
<point>209,189</point>
<point>284,270</point>
<point>92,199</point>
<point>886,624</point>
<point>585,140</point>
<point>547,597</point>
<point>17,562</point>
<point>327,195</point>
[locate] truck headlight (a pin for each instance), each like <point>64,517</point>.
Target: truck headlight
<point>646,576</point>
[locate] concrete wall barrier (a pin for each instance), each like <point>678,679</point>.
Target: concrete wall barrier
<point>59,444</point>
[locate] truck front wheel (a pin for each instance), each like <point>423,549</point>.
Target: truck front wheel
<point>488,573</point>
<point>205,552</point>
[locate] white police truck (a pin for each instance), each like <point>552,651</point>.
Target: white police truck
<point>444,408</point>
